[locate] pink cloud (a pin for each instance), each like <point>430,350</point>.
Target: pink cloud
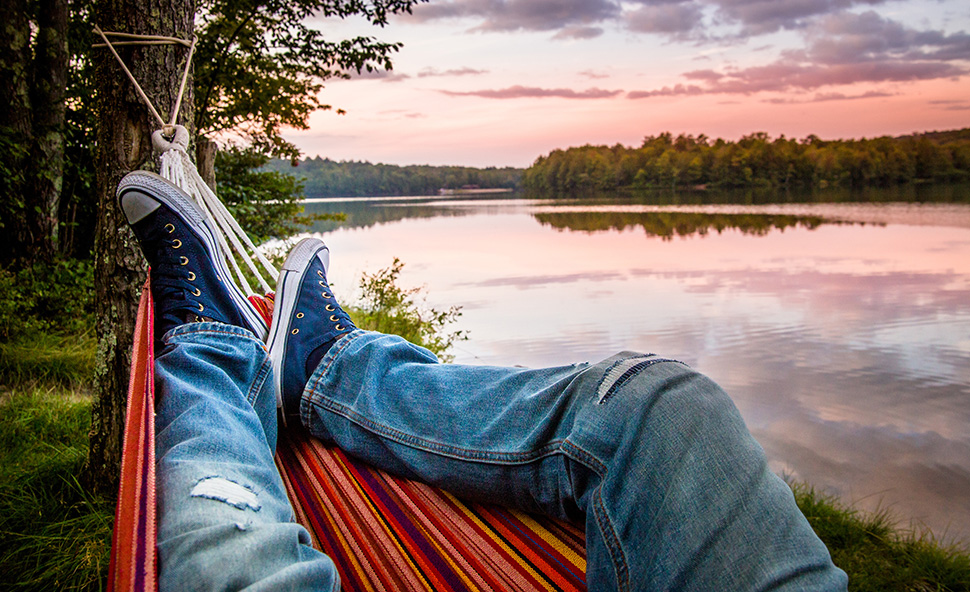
<point>519,92</point>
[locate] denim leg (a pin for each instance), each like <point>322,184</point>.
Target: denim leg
<point>654,457</point>
<point>224,518</point>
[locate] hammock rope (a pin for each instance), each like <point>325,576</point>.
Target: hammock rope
<point>171,142</point>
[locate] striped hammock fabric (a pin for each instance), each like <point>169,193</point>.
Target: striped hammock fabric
<point>383,532</point>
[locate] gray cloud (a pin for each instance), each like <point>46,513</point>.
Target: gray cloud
<point>382,75</point>
<point>833,96</point>
<point>519,92</point>
<point>431,72</point>
<point>758,17</point>
<point>675,19</point>
<point>841,49</point>
<point>578,33</point>
<point>515,15</point>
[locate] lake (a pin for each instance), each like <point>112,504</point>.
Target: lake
<point>840,329</point>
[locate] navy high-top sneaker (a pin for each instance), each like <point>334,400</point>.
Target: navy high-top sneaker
<point>307,321</point>
<point>189,276</point>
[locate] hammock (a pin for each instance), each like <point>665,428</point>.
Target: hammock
<point>383,532</point>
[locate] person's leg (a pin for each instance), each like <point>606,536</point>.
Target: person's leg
<point>224,518</point>
<point>674,491</point>
<point>225,521</point>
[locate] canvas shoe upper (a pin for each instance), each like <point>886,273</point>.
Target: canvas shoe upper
<point>307,321</point>
<point>190,280</point>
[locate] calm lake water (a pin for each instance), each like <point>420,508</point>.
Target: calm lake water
<point>841,330</point>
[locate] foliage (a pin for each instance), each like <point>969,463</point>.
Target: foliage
<point>755,160</point>
<point>55,536</point>
<point>258,69</point>
<point>878,557</point>
<point>328,178</point>
<point>265,203</point>
<point>389,308</point>
<point>12,178</point>
<point>51,298</point>
<point>260,66</point>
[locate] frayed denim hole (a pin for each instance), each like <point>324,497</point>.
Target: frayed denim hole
<point>621,372</point>
<point>229,492</point>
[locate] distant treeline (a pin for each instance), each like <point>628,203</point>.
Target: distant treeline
<point>755,160</point>
<point>327,178</point>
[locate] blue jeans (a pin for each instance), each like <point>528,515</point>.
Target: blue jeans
<point>654,457</point>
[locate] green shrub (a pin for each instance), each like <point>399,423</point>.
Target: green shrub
<point>389,308</point>
<point>49,298</point>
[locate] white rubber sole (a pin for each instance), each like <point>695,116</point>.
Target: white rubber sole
<point>159,189</point>
<point>287,293</point>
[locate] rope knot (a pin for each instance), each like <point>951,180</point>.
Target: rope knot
<point>171,137</point>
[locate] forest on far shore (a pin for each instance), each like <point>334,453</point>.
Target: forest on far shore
<point>323,177</point>
<point>665,162</point>
<point>756,160</point>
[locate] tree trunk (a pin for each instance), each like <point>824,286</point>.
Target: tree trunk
<point>48,107</point>
<point>15,126</point>
<point>205,160</point>
<point>124,143</point>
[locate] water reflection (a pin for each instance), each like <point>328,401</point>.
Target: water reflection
<point>846,346</point>
<point>668,224</point>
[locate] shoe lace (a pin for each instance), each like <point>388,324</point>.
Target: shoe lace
<point>173,277</point>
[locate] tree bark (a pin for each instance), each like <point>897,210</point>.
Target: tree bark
<point>15,126</point>
<point>48,108</point>
<point>124,144</point>
<point>205,159</point>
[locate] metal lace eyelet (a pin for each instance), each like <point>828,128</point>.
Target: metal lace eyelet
<point>197,292</point>
<point>176,244</point>
<point>319,273</point>
<point>299,315</point>
<point>324,284</point>
<point>191,276</point>
<point>294,331</point>
<point>339,327</point>
<point>330,308</point>
<point>170,228</point>
<point>183,260</point>
<point>333,318</point>
<point>325,295</point>
<point>201,308</point>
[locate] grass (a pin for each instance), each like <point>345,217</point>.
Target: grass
<point>53,534</point>
<point>877,555</point>
<point>50,359</point>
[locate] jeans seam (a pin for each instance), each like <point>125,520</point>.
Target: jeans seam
<point>406,439</point>
<point>610,538</point>
<point>265,371</point>
<point>188,329</point>
<point>612,541</point>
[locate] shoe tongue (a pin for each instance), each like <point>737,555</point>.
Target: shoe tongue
<point>313,360</point>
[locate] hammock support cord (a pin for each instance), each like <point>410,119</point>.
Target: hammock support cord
<point>172,141</point>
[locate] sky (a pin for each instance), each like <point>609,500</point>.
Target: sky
<point>502,82</point>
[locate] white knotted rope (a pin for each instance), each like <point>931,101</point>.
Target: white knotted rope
<point>177,167</point>
<point>172,142</point>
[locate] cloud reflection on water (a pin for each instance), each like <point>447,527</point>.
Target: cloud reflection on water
<point>846,348</point>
